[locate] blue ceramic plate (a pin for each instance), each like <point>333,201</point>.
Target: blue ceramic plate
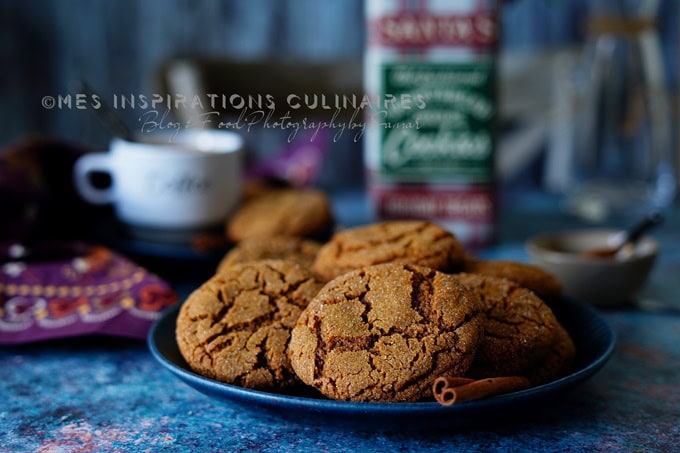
<point>594,341</point>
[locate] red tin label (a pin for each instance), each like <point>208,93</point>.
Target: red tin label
<point>408,29</point>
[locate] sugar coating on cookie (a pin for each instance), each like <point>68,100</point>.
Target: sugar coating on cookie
<point>385,332</point>
<point>301,251</point>
<point>519,328</point>
<point>415,242</point>
<point>557,362</point>
<point>289,212</point>
<point>236,327</point>
<point>543,283</point>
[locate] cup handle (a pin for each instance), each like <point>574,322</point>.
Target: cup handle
<point>86,165</point>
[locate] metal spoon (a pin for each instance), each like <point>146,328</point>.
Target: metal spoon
<point>630,237</point>
<point>107,116</point>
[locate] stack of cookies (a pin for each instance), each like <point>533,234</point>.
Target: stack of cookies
<point>377,313</point>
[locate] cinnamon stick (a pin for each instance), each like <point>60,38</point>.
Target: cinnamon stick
<point>478,389</point>
<point>442,383</point>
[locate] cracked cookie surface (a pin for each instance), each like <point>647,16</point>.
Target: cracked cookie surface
<point>236,327</point>
<point>301,251</point>
<point>519,328</point>
<point>528,276</point>
<point>414,242</point>
<point>385,332</point>
<point>557,362</point>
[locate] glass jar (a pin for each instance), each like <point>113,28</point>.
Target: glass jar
<point>623,157</point>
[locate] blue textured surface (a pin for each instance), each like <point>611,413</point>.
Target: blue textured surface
<point>103,395</point>
<point>97,394</point>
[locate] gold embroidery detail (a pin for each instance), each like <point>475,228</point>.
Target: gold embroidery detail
<point>127,302</point>
<point>50,290</point>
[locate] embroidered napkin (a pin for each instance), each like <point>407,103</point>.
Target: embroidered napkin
<point>98,292</point>
<point>68,289</point>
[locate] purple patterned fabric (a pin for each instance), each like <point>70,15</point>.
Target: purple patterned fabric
<point>99,292</point>
<point>63,287</point>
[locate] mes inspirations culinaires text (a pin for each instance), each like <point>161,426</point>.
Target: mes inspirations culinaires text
<point>341,112</point>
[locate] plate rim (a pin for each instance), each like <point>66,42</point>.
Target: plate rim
<point>235,393</point>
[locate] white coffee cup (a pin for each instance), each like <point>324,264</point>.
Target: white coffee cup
<point>181,181</point>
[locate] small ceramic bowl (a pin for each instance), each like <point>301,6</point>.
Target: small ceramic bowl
<point>602,281</point>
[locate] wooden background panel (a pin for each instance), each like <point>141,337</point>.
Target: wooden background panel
<point>118,47</point>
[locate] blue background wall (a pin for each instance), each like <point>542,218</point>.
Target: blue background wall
<point>118,46</point>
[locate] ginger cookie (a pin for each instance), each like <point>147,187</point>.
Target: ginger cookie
<point>288,212</point>
<point>557,362</point>
<point>410,241</point>
<point>301,251</point>
<point>519,328</point>
<point>252,188</point>
<point>236,327</point>
<point>385,333</point>
<point>529,276</point>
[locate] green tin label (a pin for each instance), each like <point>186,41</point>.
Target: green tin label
<point>441,125</point>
